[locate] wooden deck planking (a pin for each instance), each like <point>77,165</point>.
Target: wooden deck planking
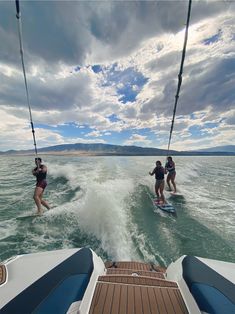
<point>135,265</point>
<point>160,301</point>
<point>101,299</point>
<point>123,300</point>
<point>152,301</point>
<point>180,301</point>
<point>119,292</point>
<point>109,296</point>
<point>146,305</point>
<point>123,280</point>
<point>129,299</point>
<point>175,301</point>
<point>116,298</point>
<point>137,280</point>
<point>97,294</point>
<point>138,300</point>
<point>3,274</point>
<point>115,271</point>
<point>167,301</point>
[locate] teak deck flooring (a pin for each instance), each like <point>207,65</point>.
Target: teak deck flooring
<point>153,274</point>
<point>3,274</point>
<point>137,280</point>
<point>126,290</point>
<point>134,265</point>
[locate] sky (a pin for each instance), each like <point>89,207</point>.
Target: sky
<point>107,72</point>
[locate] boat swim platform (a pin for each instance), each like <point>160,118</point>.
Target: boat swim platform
<point>137,272</point>
<point>136,288</point>
<point>134,265</point>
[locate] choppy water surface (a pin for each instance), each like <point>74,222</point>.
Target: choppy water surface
<point>105,203</point>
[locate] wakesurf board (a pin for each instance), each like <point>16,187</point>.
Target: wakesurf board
<point>28,216</point>
<point>167,207</point>
<point>176,193</point>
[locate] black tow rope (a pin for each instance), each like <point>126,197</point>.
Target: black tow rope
<point>23,67</point>
<point>180,74</point>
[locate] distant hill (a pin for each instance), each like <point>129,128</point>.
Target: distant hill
<point>94,149</point>
<point>100,149</point>
<point>227,149</point>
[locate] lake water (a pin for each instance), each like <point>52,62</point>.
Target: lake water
<point>105,203</point>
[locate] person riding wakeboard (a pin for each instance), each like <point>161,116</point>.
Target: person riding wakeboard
<point>40,172</point>
<point>160,182</point>
<point>170,169</point>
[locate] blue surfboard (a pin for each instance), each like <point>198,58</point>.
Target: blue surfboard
<point>165,207</point>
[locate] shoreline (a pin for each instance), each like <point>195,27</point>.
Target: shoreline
<point>96,154</point>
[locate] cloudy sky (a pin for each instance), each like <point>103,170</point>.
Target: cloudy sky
<point>106,72</point>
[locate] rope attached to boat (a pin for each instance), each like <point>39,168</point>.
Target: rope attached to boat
<point>18,15</point>
<point>180,74</point>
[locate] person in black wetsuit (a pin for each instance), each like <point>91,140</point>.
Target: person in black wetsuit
<point>159,184</point>
<point>40,172</point>
<point>170,169</point>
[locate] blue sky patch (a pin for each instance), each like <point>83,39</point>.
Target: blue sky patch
<point>213,38</point>
<point>77,69</point>
<point>113,118</point>
<point>211,125</point>
<point>198,131</point>
<point>67,130</point>
<point>96,68</point>
<point>128,82</point>
<point>44,126</point>
<point>192,116</point>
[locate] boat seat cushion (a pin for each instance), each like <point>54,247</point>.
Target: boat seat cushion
<point>211,300</point>
<point>212,292</point>
<point>69,277</point>
<point>67,292</point>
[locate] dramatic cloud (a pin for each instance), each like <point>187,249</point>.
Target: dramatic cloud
<point>107,71</point>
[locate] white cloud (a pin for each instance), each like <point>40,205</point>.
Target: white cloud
<point>145,36</point>
<point>16,133</point>
<point>93,134</point>
<point>137,139</point>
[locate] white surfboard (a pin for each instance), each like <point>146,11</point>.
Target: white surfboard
<point>34,215</point>
<point>176,193</point>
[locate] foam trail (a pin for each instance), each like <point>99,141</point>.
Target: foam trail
<point>103,213</point>
<point>147,250</point>
<point>68,171</point>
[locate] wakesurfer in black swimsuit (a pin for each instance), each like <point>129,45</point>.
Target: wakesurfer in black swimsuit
<point>170,169</point>
<point>159,184</point>
<point>40,172</point>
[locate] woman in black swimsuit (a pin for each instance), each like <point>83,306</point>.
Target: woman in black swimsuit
<point>170,168</point>
<point>40,172</point>
<point>159,184</point>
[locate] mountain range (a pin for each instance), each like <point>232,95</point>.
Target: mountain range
<point>101,149</point>
<point>228,149</point>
